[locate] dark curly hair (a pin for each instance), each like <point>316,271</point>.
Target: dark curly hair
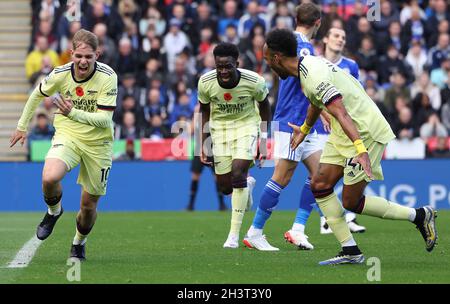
<point>283,41</point>
<point>225,49</point>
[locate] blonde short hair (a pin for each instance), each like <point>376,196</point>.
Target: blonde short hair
<point>84,36</point>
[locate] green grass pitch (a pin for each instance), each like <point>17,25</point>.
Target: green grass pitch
<point>186,248</point>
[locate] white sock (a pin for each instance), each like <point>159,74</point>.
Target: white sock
<point>254,231</point>
<point>79,238</point>
<point>412,215</point>
<point>350,242</point>
<point>298,227</point>
<point>55,209</point>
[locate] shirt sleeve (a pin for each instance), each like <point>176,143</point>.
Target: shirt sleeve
<point>317,83</point>
<point>49,85</point>
<point>108,95</point>
<point>46,88</point>
<point>261,90</point>
<point>202,94</point>
<point>355,70</point>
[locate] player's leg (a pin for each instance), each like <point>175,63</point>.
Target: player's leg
<point>284,170</point>
<point>331,170</point>
<point>239,199</point>
<point>296,235</point>
<point>322,186</point>
<point>85,221</point>
<point>354,199</point>
<point>286,161</point>
<point>61,158</point>
<point>52,174</point>
<point>95,168</point>
<point>220,196</point>
<point>196,171</point>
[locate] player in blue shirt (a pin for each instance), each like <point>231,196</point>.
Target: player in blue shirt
<point>291,107</point>
<point>334,44</point>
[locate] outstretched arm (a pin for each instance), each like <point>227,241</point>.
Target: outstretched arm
<point>300,132</point>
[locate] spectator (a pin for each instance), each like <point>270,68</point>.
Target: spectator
<point>108,50</point>
<point>231,35</point>
<point>251,18</point>
<point>414,29</point>
<point>129,104</point>
<point>433,127</point>
<point>152,70</point>
<point>180,74</point>
<point>393,37</point>
<point>398,88</point>
<point>423,85</point>
<point>45,30</point>
<point>155,106</point>
<point>443,28</point>
<point>406,12</point>
<point>253,57</point>
<point>129,154</point>
<point>327,19</point>
<point>282,18</point>
<point>127,61</point>
<point>440,51</point>
<point>391,63</point>
<point>445,110</point>
<point>440,12</point>
<point>404,126</point>
<point>43,130</point>
<point>416,58</point>
<point>156,129</point>
<point>33,62</point>
<point>205,20</point>
<point>366,56</point>
<point>354,37</point>
<point>229,17</point>
<point>129,87</point>
<point>128,11</point>
<point>388,15</point>
<point>154,20</point>
<point>98,11</point>
<point>442,149</point>
<point>46,68</point>
<point>182,108</point>
<point>128,128</point>
<point>359,10</point>
<point>131,32</point>
<point>65,37</point>
<point>374,96</point>
<point>421,108</point>
<point>174,42</point>
<point>439,76</point>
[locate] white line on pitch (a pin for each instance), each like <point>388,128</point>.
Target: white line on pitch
<point>25,254</point>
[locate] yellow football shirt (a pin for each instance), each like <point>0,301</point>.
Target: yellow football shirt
<point>322,82</point>
<point>97,92</point>
<point>233,108</point>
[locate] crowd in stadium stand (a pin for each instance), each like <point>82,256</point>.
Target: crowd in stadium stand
<point>159,49</point>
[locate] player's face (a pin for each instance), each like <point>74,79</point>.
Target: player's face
<point>274,62</point>
<point>336,40</point>
<point>226,69</point>
<point>84,58</point>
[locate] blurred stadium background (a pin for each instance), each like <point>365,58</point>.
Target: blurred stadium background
<point>159,48</point>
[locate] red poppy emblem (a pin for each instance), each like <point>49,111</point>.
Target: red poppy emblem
<point>227,96</point>
<point>79,91</point>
